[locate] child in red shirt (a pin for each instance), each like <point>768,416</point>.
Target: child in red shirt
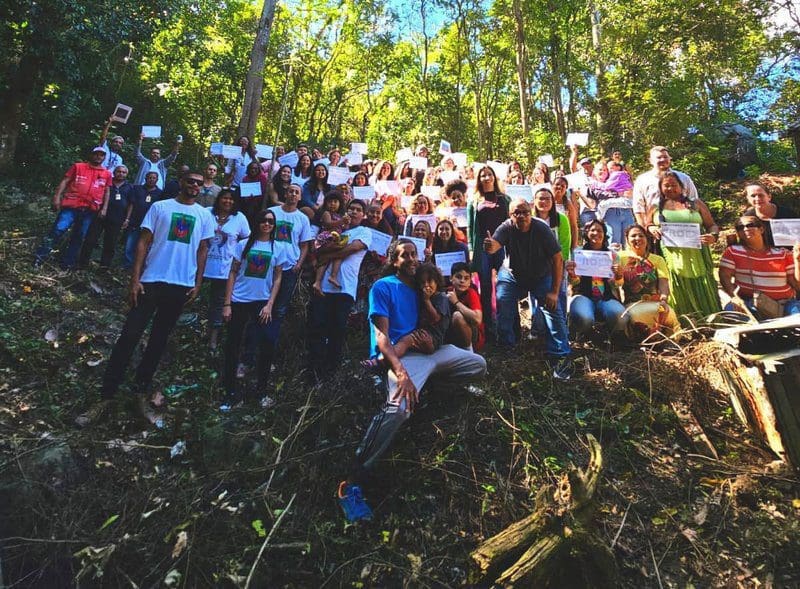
<point>466,327</point>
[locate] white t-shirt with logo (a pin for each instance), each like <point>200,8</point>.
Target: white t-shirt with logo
<point>292,229</point>
<point>223,244</point>
<point>348,272</point>
<point>177,232</point>
<point>256,273</point>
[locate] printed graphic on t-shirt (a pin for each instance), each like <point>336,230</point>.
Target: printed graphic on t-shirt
<point>283,231</point>
<point>257,263</point>
<point>181,228</point>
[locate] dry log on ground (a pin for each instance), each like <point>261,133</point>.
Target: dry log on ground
<point>558,528</point>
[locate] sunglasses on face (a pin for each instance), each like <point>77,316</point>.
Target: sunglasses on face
<point>521,213</point>
<point>193,182</point>
<point>748,226</point>
<point>267,222</point>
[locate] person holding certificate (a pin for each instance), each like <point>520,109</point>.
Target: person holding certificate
<point>645,287</point>
<point>761,206</point>
<point>760,279</point>
<point>445,242</point>
<point>252,188</point>
<point>595,299</point>
<point>691,271</point>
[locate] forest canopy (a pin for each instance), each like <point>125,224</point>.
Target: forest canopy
<point>499,79</point>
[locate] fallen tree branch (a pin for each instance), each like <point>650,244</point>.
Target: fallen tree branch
<point>267,539</point>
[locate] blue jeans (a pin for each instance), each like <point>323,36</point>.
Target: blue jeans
<point>288,284</point>
<point>790,307</point>
<point>618,220</point>
<point>131,240</point>
<point>77,219</point>
<point>509,294</point>
<point>488,262</point>
<point>586,216</point>
<point>584,313</point>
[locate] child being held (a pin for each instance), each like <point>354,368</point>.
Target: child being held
<point>329,239</point>
<point>434,317</point>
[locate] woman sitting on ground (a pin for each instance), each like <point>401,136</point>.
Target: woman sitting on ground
<point>645,288</point>
<point>595,299</point>
<point>752,269</point>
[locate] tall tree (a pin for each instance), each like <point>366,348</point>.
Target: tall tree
<point>254,82</point>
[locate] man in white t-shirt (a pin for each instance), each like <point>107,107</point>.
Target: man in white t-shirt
<point>328,313</point>
<point>645,188</point>
<point>167,274</point>
<point>294,229</point>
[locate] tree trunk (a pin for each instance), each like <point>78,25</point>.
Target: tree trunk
<point>555,84</point>
<point>254,83</point>
<point>599,75</point>
<point>21,83</point>
<point>522,77</point>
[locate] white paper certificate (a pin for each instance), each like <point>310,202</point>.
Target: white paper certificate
<point>338,176</point>
<point>290,159</point>
<point>364,193</point>
<point>402,155</point>
<point>231,152</point>
<point>460,215</point>
<point>460,159</point>
<point>449,176</point>
<point>151,131</point>
<point>264,151</point>
<point>445,261</point>
<point>522,191</point>
<point>216,148</point>
<point>359,148</point>
<point>577,139</point>
<point>429,219</point>
<point>420,243</point>
<point>785,231</point>
<point>418,163</point>
<point>249,189</point>
<point>380,242</point>
<point>547,160</point>
<point>432,192</point>
<point>121,113</point>
<point>681,235</point>
<point>592,263</point>
<point>388,187</point>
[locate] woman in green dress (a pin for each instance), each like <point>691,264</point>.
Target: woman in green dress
<point>693,289</point>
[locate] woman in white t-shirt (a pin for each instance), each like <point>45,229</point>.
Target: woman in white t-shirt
<point>253,284</point>
<point>231,228</point>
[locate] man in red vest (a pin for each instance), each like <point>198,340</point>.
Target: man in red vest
<point>77,200</point>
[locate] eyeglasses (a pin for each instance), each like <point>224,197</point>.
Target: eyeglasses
<point>193,182</point>
<point>520,213</point>
<point>267,221</point>
<point>749,226</point>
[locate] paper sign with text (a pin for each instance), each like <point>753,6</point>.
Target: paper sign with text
<point>365,193</point>
<point>249,189</point>
<point>418,163</point>
<point>785,232</point>
<point>338,176</point>
<point>593,263</point>
<point>577,139</point>
<point>404,154</point>
<point>380,242</point>
<point>680,235</point>
<point>429,219</point>
<point>290,159</point>
<point>231,152</point>
<point>151,131</point>
<point>445,261</point>
<point>359,148</point>
<point>519,191</point>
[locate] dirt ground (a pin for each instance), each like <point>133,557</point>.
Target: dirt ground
<point>109,506</point>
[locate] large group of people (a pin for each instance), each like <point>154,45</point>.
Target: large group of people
<point>433,261</point>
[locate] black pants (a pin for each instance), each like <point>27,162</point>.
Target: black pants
<point>163,303</point>
<point>327,327</point>
<point>110,230</point>
<point>266,338</point>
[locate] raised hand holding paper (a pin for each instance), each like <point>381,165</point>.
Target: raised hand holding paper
<point>593,263</point>
<point>354,158</point>
<point>264,151</point>
<point>359,148</point>
<point>121,113</point>
<point>337,176</point>
<point>681,235</point>
<point>577,139</point>
<point>547,160</point>
<point>216,148</point>
<point>519,191</point>
<point>151,131</point>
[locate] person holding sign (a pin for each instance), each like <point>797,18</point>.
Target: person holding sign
<point>533,268</point>
<point>237,166</point>
<point>154,163</point>
<point>421,206</point>
<point>445,242</point>
<point>595,298</point>
<point>645,288</point>
<point>253,187</point>
<point>114,147</point>
<point>279,185</point>
<point>691,271</point>
<point>314,191</point>
<point>302,171</point>
<point>753,270</point>
<point>645,188</point>
<point>761,206</point>
<point>422,230</point>
<point>487,209</point>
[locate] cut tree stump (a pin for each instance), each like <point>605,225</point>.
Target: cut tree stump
<point>758,366</point>
<point>558,529</point>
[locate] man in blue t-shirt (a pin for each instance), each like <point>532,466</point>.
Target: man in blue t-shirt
<point>394,312</point>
